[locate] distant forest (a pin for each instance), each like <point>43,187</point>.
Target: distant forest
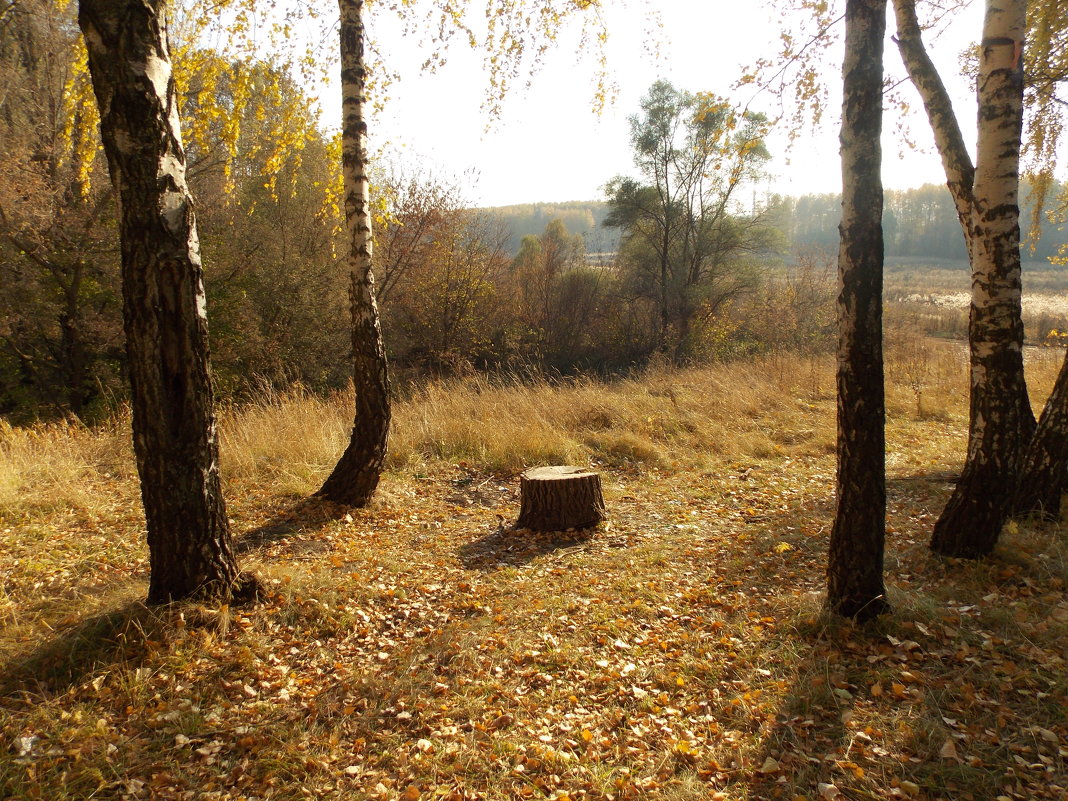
<point>581,218</point>
<point>918,223</point>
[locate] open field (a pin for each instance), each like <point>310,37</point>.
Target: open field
<point>419,649</point>
<point>936,296</point>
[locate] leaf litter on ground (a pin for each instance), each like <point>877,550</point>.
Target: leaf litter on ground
<point>423,649</point>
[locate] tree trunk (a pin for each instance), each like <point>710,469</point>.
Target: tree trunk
<point>356,475</point>
<point>164,308</point>
<point>76,357</point>
<point>1042,474</point>
<point>558,498</point>
<point>855,560</point>
<point>1000,418</point>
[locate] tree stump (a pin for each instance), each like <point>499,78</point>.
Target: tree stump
<point>560,497</point>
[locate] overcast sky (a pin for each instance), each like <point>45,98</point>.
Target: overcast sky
<point>549,145</point>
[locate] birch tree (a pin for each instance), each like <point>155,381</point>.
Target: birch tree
<point>1042,473</point>
<point>855,560</point>
<point>355,477</point>
<point>513,30</point>
<point>986,197</point>
<point>164,307</point>
<point>1041,478</point>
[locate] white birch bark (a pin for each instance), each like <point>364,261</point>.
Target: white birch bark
<point>1001,421</point>
<point>356,475</point>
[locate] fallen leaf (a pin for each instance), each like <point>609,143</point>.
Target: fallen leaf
<point>770,766</point>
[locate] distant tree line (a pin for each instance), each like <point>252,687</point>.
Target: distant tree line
<point>918,223</point>
<point>582,218</point>
<point>455,295</point>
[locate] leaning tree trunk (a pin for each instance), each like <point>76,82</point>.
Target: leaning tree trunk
<point>163,301</point>
<point>855,561</point>
<point>356,475</point>
<point>956,161</point>
<point>1042,474</point>
<point>999,423</point>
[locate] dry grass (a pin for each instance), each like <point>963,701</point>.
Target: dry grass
<point>417,649</point>
<point>660,419</point>
<point>940,308</point>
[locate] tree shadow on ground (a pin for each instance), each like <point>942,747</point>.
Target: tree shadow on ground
<point>912,668</point>
<point>124,634</point>
<point>812,744</point>
<point>910,484</point>
<point>507,546</point>
<point>300,520</point>
<point>811,740</point>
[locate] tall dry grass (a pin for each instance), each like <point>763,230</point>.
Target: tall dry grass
<point>66,464</point>
<point>663,418</point>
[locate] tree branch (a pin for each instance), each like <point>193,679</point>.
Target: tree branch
<point>960,172</point>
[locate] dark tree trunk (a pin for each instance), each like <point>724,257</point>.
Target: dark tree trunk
<point>560,497</point>
<point>855,561</point>
<point>356,475</point>
<point>1042,474</point>
<point>73,363</point>
<point>1000,420</point>
<point>75,356</point>
<point>163,302</point>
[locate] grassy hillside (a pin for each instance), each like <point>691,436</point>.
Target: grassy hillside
<point>420,649</point>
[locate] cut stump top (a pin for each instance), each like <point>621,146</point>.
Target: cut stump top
<point>556,473</point>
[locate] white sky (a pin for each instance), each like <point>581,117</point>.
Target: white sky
<point>550,146</point>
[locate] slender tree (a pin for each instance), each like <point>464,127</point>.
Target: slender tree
<point>1042,470</point>
<point>681,236</point>
<point>986,196</point>
<point>1042,474</point>
<point>164,307</point>
<point>355,477</point>
<point>855,561</point>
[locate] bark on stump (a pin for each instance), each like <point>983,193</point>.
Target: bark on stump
<point>560,497</point>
